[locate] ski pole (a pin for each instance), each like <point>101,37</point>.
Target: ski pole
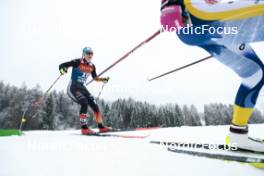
<point>99,94</point>
<point>23,120</point>
<point>53,84</point>
<point>180,68</point>
<point>37,103</point>
<point>40,100</point>
<point>130,52</point>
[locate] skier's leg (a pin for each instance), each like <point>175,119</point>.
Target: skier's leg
<point>252,82</point>
<point>244,61</point>
<point>75,94</point>
<point>97,113</point>
<point>94,106</point>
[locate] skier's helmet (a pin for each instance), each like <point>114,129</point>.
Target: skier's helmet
<point>87,50</point>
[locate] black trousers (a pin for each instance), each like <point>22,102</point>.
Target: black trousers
<point>79,94</point>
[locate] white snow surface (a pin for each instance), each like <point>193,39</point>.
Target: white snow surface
<point>67,153</point>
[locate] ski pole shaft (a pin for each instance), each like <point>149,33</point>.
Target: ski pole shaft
<point>53,84</point>
<point>180,68</point>
<point>99,94</point>
<point>130,52</point>
<point>41,98</point>
<point>37,103</point>
<point>23,120</point>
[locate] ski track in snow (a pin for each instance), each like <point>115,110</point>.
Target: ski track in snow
<point>66,153</point>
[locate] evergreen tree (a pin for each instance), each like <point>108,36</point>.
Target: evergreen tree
<point>257,117</point>
<point>49,113</point>
<point>59,112</point>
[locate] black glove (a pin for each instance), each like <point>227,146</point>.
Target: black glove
<point>63,70</point>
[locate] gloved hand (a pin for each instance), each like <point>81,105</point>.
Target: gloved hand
<point>171,16</point>
<point>63,70</point>
<point>105,80</point>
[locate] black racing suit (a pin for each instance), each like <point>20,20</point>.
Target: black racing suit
<point>76,90</point>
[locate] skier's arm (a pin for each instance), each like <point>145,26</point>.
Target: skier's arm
<point>94,74</point>
<point>97,78</point>
<point>64,66</point>
<point>173,15</point>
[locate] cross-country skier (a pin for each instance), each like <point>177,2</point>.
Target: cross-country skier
<point>81,69</point>
<point>239,57</point>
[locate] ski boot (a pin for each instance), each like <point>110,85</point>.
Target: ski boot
<point>86,131</point>
<point>84,128</point>
<point>238,136</point>
<point>104,129</point>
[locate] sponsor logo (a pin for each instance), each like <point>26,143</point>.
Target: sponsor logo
<point>86,68</point>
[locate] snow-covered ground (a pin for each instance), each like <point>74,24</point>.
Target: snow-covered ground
<point>53,153</point>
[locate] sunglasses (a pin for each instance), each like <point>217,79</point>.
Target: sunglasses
<point>89,53</point>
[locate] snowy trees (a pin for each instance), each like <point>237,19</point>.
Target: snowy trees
<point>217,114</point>
<point>66,112</point>
<point>191,116</point>
<point>257,117</point>
<point>13,102</point>
<point>59,112</point>
<point>49,113</point>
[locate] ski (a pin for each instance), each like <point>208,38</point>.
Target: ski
<point>134,129</point>
<point>188,148</point>
<point>208,146</point>
<point>108,134</point>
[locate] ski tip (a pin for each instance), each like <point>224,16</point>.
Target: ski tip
<point>149,79</point>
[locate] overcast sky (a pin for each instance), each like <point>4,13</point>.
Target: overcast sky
<point>37,35</point>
